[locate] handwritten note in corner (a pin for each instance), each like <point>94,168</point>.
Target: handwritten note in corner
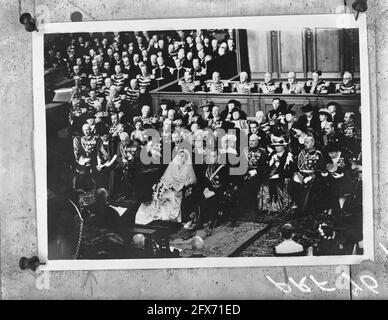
<point>366,276</point>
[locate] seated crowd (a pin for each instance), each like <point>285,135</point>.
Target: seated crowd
<point>135,62</point>
<point>316,85</point>
<point>308,165</point>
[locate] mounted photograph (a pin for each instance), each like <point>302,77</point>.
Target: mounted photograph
<point>211,142</point>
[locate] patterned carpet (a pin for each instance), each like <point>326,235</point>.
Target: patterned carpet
<point>223,241</point>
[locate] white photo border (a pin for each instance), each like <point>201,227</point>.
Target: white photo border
<point>257,22</point>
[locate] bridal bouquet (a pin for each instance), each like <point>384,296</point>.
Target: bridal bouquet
<point>160,189</point>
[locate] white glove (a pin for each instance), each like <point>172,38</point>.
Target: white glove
<point>305,180</point>
<point>253,173</point>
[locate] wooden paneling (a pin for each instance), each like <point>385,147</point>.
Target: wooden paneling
<point>291,53</point>
<point>259,52</point>
<point>328,51</point>
<point>351,51</point>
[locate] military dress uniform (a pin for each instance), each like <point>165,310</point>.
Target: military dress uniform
<point>338,180</point>
<point>269,87</point>
<point>295,88</point>
<point>257,170</point>
<point>188,86</point>
<point>85,155</point>
<point>306,184</point>
<point>352,137</point>
<point>321,87</point>
<point>310,162</point>
<point>243,87</point>
<point>215,182</point>
<point>350,88</point>
<point>336,138</point>
<point>216,87</point>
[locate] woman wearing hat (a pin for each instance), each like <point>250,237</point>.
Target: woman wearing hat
<point>206,112</point>
<point>310,120</point>
<point>237,121</point>
<point>290,122</point>
<point>280,126</point>
<point>90,120</point>
<point>324,117</point>
<point>335,111</point>
<point>338,177</point>
<point>162,112</point>
<point>226,114</point>
<point>281,166</point>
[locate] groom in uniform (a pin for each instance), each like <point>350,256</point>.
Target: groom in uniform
<point>257,169</point>
<point>215,181</point>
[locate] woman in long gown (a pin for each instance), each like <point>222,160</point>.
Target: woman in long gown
<point>167,199</point>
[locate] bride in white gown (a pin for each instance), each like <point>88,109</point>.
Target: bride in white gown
<point>167,205</point>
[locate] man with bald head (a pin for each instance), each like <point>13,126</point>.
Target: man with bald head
<point>197,245</point>
<point>292,86</point>
<point>332,136</point>
<point>137,250</point>
<point>99,214</point>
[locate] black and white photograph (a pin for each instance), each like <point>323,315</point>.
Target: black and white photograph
<point>203,143</point>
